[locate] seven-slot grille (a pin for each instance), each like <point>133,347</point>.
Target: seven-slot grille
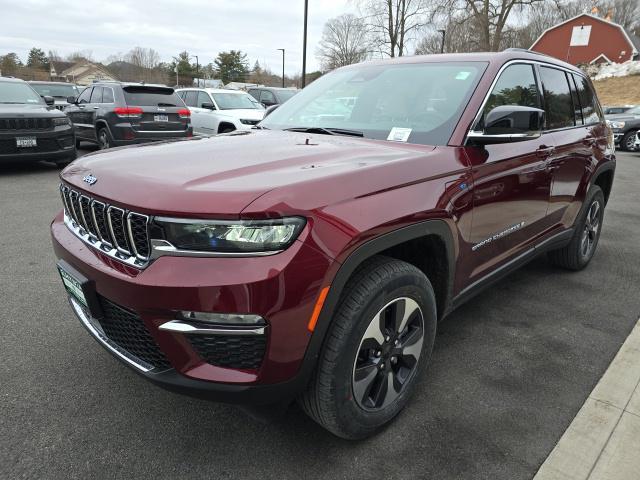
<point>120,233</point>
<point>25,123</point>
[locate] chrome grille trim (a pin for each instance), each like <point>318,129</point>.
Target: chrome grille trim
<point>92,230</point>
<point>115,232</point>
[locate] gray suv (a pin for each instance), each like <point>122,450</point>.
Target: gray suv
<point>115,114</point>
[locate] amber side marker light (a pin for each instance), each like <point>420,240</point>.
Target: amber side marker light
<point>316,310</point>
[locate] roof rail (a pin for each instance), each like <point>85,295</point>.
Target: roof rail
<point>526,50</point>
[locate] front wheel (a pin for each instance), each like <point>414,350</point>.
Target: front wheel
<point>378,346</point>
<point>579,252</point>
<point>628,141</point>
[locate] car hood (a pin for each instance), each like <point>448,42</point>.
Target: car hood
<point>27,111</point>
<point>249,114</point>
<point>621,116</point>
<point>220,176</point>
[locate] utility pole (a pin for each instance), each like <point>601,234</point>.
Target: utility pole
<point>304,45</point>
<point>282,50</point>
<point>443,32</point>
<point>197,69</point>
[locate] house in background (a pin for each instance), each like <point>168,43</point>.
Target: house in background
<point>586,39</point>
<point>80,73</point>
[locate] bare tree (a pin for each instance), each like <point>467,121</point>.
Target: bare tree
<point>344,41</point>
<point>145,58</point>
<point>394,24</point>
<point>625,12</point>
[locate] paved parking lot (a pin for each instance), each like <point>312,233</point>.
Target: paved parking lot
<point>510,371</point>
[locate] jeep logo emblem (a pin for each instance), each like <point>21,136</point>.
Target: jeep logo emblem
<point>90,179</point>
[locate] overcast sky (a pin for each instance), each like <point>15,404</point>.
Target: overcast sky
<point>204,28</point>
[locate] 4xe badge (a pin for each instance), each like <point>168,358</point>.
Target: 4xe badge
<point>90,179</point>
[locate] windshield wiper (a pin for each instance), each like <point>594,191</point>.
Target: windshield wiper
<point>326,131</point>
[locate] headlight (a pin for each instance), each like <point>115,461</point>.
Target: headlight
<point>60,121</point>
<point>616,124</point>
<point>247,122</point>
<point>235,236</point>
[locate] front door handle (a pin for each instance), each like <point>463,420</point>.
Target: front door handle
<point>544,152</point>
<point>96,108</point>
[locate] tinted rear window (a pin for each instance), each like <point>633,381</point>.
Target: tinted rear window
<point>147,96</point>
<point>557,98</point>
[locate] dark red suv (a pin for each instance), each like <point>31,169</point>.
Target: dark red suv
<point>312,257</point>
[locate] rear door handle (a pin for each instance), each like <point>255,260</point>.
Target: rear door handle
<point>96,108</point>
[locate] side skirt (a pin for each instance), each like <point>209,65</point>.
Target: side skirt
<point>558,240</point>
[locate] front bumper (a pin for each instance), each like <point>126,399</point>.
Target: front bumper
<point>55,144</point>
<point>281,288</point>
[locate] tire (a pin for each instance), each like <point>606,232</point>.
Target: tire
<point>104,139</point>
<point>78,144</point>
<point>226,129</point>
<point>577,254</point>
<point>628,141</point>
<point>336,398</point>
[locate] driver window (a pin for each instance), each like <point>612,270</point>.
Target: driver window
<point>516,86</point>
<point>85,95</point>
<point>203,98</point>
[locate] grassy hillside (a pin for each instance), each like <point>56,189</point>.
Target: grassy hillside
<point>619,90</point>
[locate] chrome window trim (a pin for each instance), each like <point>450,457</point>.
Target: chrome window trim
<point>533,63</point>
<point>112,232</point>
<point>130,232</point>
<point>179,326</point>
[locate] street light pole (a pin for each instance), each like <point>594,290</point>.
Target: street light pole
<point>197,69</point>
<point>304,45</point>
<point>443,32</point>
<point>282,50</point>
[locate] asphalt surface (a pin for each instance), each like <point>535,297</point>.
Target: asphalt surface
<point>509,372</point>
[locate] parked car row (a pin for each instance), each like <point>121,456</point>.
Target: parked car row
<point>625,125</point>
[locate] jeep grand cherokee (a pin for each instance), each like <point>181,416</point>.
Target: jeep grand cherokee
<point>313,257</point>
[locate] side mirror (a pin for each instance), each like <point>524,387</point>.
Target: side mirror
<point>509,123</point>
<point>208,106</point>
<point>270,110</point>
<point>267,103</point>
<point>72,100</point>
<point>50,101</point>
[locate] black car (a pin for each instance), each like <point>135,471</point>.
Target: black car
<point>269,96</point>
<point>30,128</point>
<point>60,91</point>
<point>624,126</point>
<point>115,114</point>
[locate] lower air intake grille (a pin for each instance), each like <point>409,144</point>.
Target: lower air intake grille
<point>127,330</point>
<point>243,352</point>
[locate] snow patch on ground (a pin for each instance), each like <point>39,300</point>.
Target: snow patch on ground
<point>598,72</point>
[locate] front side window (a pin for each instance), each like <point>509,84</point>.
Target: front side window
<point>557,98</point>
<point>234,101</point>
<point>267,97</point>
<point>96,95</point>
<point>107,95</point>
<point>203,98</point>
<point>85,95</point>
<point>415,103</point>
<point>18,92</point>
<point>515,86</point>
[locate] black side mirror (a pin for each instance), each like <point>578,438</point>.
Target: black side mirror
<point>509,123</point>
<point>270,110</point>
<point>72,100</point>
<point>50,101</point>
<point>208,106</point>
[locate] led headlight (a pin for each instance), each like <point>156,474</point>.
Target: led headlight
<point>61,121</point>
<point>613,124</point>
<point>234,236</point>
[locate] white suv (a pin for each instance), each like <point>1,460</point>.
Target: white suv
<point>216,111</point>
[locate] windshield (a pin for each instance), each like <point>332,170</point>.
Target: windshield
<point>55,90</point>
<point>285,95</point>
<point>634,111</point>
<point>18,92</point>
<point>416,103</point>
<point>234,101</point>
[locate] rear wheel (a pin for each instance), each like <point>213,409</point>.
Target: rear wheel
<point>378,346</point>
<point>579,252</point>
<point>104,139</point>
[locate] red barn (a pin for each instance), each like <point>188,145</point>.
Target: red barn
<point>588,39</point>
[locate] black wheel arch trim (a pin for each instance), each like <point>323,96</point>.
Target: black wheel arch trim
<point>436,227</point>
